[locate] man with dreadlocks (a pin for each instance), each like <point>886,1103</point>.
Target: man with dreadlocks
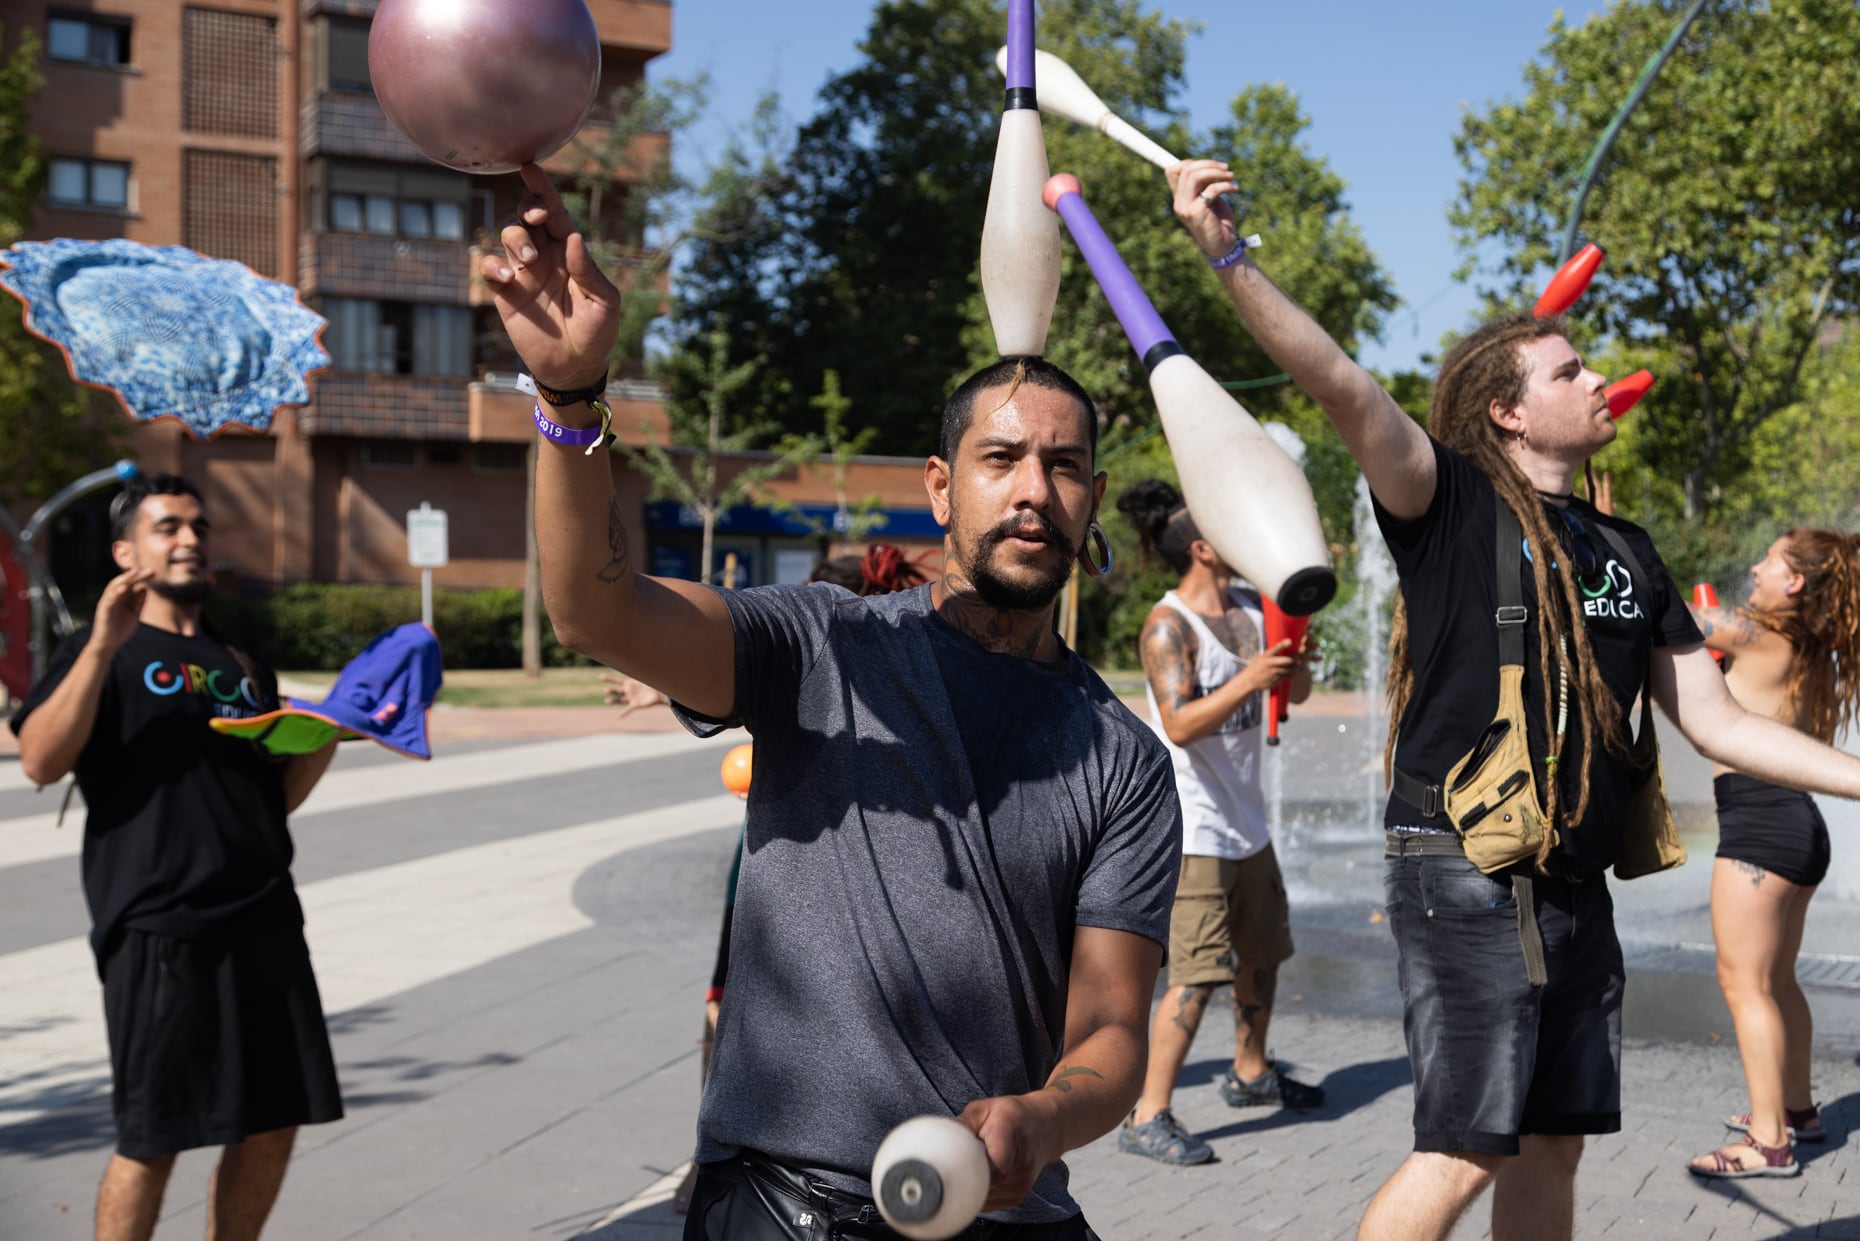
<point>1512,980</point>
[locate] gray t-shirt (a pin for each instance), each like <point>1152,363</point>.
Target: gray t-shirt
<point>928,824</point>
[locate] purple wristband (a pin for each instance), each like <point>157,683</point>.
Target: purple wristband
<point>569,437</point>
<point>1231,257</point>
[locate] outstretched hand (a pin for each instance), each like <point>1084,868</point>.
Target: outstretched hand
<point>560,309</point>
<point>630,694</point>
<point>1198,185</point>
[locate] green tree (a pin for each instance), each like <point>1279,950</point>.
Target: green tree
<point>864,256</point>
<point>685,468</point>
<point>54,431</point>
<point>852,519</point>
<point>1729,207</point>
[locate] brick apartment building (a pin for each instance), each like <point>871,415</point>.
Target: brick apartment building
<point>248,130</point>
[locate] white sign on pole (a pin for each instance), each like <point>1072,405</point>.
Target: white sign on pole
<point>426,537</point>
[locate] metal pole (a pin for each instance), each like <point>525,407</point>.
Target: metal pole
<point>1607,141</point>
<point>44,591</point>
<point>426,597</point>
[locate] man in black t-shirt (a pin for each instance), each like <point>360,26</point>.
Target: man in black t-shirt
<point>216,1030</point>
<point>1512,981</point>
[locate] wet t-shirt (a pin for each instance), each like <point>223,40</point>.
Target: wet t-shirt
<point>185,834</point>
<point>1447,561</point>
<point>928,825</point>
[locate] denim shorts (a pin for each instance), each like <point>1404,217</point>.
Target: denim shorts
<point>1495,1056</point>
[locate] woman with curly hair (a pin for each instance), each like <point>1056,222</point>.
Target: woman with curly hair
<point>1793,654</point>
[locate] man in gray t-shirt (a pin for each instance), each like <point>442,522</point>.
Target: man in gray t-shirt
<point>961,850</point>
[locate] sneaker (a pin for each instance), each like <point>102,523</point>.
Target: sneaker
<point>1162,1138</point>
<point>1274,1087</point>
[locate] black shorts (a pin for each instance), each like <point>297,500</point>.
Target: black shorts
<point>1495,1057</point>
<point>212,1042</point>
<point>1776,828</point>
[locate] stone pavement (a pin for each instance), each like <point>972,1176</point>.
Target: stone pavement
<point>513,941</point>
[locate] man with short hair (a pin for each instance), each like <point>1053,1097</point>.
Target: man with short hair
<point>1511,973</point>
<point>216,1029</point>
<point>960,849</point>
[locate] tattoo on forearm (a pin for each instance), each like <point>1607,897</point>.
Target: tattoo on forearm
<point>1751,870</point>
<point>615,568</point>
<point>1060,1080</point>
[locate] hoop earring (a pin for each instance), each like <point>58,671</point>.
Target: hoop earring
<point>1095,533</point>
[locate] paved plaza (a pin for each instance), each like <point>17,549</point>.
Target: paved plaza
<point>513,942</point>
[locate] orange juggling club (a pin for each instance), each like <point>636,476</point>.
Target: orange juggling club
<point>1705,595</point>
<point>1280,627</point>
<point>1624,394</point>
<point>1569,282</point>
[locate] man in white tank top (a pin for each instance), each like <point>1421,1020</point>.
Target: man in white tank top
<point>1208,682</point>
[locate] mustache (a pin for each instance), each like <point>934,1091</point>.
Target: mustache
<point>1027,523</point>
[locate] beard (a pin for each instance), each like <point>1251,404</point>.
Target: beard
<point>1000,591</point>
<point>183,592</point>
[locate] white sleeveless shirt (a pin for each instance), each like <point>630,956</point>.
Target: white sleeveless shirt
<point>1218,777</point>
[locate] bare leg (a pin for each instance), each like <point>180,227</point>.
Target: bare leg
<point>1254,992</point>
<point>1426,1196</point>
<point>1172,1032</point>
<point>245,1185</point>
<point>129,1199</point>
<point>1535,1197</point>
<point>1798,1021</point>
<point>1749,908</point>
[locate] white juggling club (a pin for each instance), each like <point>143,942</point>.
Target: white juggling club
<point>1064,93</point>
<point>1020,241</point>
<point>930,1177</point>
<point>1248,497</point>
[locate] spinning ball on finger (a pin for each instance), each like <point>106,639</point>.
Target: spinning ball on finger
<point>485,85</point>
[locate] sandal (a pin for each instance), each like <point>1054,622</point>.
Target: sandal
<point>1723,1163</point>
<point>1798,1124</point>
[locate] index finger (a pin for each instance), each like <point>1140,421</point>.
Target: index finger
<point>556,218</point>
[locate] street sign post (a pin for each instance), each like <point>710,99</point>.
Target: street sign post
<point>426,551</point>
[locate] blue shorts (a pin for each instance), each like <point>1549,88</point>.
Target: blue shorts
<point>1495,1056</point>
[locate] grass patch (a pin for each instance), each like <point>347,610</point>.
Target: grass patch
<point>498,687</point>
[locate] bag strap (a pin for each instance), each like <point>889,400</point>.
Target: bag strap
<point>1511,614</point>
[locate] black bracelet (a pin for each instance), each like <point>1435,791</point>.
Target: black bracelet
<point>580,396</point>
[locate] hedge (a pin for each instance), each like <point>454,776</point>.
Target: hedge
<point>315,626</point>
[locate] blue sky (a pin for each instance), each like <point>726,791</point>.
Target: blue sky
<point>1384,85</point>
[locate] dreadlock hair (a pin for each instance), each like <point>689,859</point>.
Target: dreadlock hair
<point>1823,625</point>
<point>884,570</point>
<point>1162,521</point>
<point>1489,366</point>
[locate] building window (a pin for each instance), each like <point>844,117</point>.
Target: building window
<point>390,455</point>
<point>87,41</point>
<point>444,454</point>
<point>88,183</point>
<point>345,43</point>
<point>391,201</point>
<point>500,458</point>
<point>397,338</point>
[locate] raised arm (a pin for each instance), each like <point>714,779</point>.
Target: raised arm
<point>1393,452</point>
<point>1732,631</point>
<point>1689,688</point>
<point>562,314</point>
<point>1099,1075</point>
<point>57,730</point>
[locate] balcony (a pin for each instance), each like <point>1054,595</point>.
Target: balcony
<point>350,123</point>
<point>391,268</point>
<point>414,407</point>
<point>642,24</point>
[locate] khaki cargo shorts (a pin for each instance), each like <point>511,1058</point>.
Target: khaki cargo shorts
<point>1226,913</point>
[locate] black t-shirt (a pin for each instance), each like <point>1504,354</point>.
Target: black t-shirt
<point>186,833</point>
<point>1446,561</point>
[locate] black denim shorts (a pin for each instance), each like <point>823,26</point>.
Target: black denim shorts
<point>1494,1056</point>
